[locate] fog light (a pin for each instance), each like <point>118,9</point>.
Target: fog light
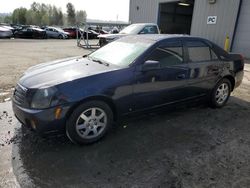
<point>58,112</point>
<point>33,124</point>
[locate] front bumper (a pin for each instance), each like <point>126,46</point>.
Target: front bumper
<point>42,121</point>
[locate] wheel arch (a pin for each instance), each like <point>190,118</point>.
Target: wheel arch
<point>104,99</point>
<point>231,79</point>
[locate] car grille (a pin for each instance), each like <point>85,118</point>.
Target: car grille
<point>20,95</point>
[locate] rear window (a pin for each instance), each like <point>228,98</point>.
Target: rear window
<point>149,30</point>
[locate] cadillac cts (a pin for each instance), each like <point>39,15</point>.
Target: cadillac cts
<point>83,96</point>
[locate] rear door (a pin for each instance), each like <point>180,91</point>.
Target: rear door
<point>166,84</point>
<point>204,65</point>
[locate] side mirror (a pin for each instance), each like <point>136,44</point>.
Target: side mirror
<point>150,65</point>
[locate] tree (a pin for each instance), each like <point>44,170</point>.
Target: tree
<point>42,14</point>
<point>54,17</point>
<point>45,20</point>
<point>71,15</point>
<point>19,16</point>
<point>81,17</point>
<point>7,19</point>
<point>30,17</point>
<point>60,18</point>
<point>2,18</point>
<point>34,6</point>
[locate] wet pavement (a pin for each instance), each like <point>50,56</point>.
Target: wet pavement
<point>185,147</point>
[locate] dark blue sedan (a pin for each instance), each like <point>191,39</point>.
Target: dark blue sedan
<point>84,95</point>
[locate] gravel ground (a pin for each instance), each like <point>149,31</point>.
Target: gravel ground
<point>17,55</point>
<point>187,147</point>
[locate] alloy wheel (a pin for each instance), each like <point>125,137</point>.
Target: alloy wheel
<point>91,123</point>
<point>222,93</point>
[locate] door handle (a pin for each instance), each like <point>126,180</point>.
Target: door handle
<point>181,76</point>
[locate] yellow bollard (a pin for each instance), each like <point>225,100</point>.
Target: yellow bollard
<point>226,46</point>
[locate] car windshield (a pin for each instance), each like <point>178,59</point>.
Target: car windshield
<point>120,53</point>
<point>132,29</point>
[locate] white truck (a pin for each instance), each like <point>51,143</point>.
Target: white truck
<point>133,29</point>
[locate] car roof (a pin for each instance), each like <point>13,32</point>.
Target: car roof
<point>159,37</point>
<point>144,24</point>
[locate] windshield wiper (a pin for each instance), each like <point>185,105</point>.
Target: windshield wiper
<point>98,61</point>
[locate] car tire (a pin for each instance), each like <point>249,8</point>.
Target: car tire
<point>60,37</point>
<point>221,93</point>
<point>89,122</point>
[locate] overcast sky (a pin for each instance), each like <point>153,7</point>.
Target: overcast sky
<point>96,9</point>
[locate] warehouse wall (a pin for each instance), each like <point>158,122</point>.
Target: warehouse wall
<point>147,12</point>
<point>226,12</point>
<point>242,39</point>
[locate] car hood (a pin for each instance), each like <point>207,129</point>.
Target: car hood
<point>4,29</point>
<point>112,36</point>
<point>60,71</point>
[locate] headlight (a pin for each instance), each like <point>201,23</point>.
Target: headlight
<point>43,98</point>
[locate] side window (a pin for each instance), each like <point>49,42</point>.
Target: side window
<point>198,51</point>
<point>169,55</point>
<point>149,30</point>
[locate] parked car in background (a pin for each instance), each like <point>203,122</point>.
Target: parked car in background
<point>17,27</point>
<point>5,32</point>
<point>31,33</point>
<point>57,33</point>
<point>72,32</point>
<point>114,30</point>
<point>91,34</point>
<point>8,27</point>
<point>101,31</point>
<point>134,29</point>
<point>83,96</point>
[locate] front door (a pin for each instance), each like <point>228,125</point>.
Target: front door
<point>163,85</point>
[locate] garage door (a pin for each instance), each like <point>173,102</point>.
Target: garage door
<point>242,36</point>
